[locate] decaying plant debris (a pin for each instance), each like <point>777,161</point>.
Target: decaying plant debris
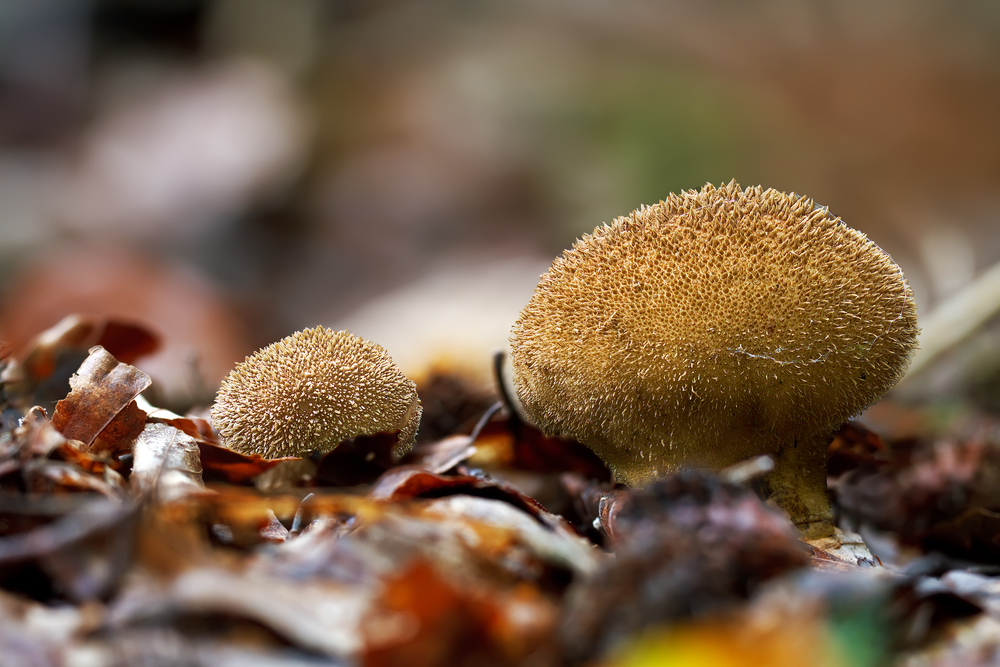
<point>129,535</point>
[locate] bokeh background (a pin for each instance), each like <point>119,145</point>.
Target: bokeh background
<point>230,171</point>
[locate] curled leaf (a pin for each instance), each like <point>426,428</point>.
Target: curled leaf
<point>168,461</point>
<point>101,389</point>
<point>42,374</point>
<point>223,464</point>
<point>514,444</point>
<point>408,482</point>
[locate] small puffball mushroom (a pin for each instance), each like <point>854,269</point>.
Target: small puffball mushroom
<point>712,327</point>
<point>311,391</point>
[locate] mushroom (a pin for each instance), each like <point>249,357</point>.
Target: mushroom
<point>713,327</point>
<point>311,391</point>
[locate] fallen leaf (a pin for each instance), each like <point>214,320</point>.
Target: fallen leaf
<point>199,429</point>
<point>85,551</point>
<point>421,619</point>
<point>545,536</point>
<point>939,495</point>
<point>101,389</point>
<point>32,633</point>
<point>202,337</point>
<point>42,376</point>
<point>223,464</point>
<point>854,446</point>
<point>166,463</point>
<point>357,461</point>
<point>43,476</point>
<point>511,443</point>
<point>685,546</point>
<point>117,437</point>
<point>452,403</point>
<point>441,455</point>
<point>408,482</point>
<point>318,616</point>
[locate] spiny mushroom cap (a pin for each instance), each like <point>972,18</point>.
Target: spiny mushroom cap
<point>311,391</point>
<point>713,326</point>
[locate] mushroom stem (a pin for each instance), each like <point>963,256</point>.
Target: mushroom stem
<point>798,485</point>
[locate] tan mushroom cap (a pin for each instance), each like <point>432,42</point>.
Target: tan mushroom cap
<point>311,391</point>
<point>711,327</point>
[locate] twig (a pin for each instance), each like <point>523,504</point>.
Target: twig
<point>505,397</point>
<point>956,319</point>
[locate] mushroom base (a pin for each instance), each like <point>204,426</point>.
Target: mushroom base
<point>798,486</point>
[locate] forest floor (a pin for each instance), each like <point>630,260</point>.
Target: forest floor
<point>130,536</point>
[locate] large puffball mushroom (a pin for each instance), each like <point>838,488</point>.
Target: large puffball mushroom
<point>712,327</point>
<point>311,391</point>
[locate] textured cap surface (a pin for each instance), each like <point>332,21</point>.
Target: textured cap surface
<point>710,327</point>
<point>311,391</point>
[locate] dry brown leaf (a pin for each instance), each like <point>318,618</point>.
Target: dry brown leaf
<point>117,437</point>
<point>442,455</point>
<point>202,337</point>
<point>408,482</point>
<point>101,389</point>
<point>854,446</point>
<point>41,376</point>
<point>511,443</point>
<point>43,476</point>
<point>36,436</point>
<point>357,461</point>
<point>198,428</point>
<point>223,464</point>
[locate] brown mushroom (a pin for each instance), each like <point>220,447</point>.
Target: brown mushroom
<point>712,327</point>
<point>311,391</point>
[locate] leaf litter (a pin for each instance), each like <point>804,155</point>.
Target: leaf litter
<point>130,535</point>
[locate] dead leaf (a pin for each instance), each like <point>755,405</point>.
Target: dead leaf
<point>938,495</point>
<point>199,429</point>
<point>318,616</point>
<point>36,436</point>
<point>117,437</point>
<point>42,376</point>
<point>545,536</point>
<point>101,389</point>
<point>43,476</point>
<point>452,403</point>
<point>223,464</point>
<point>202,336</point>
<point>166,462</point>
<point>32,633</point>
<point>357,461</point>
<point>85,551</point>
<point>441,455</point>
<point>854,446</point>
<point>274,531</point>
<point>422,619</point>
<point>685,546</point>
<point>511,443</point>
<point>407,482</point>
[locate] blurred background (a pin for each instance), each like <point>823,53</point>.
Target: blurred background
<point>230,171</point>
